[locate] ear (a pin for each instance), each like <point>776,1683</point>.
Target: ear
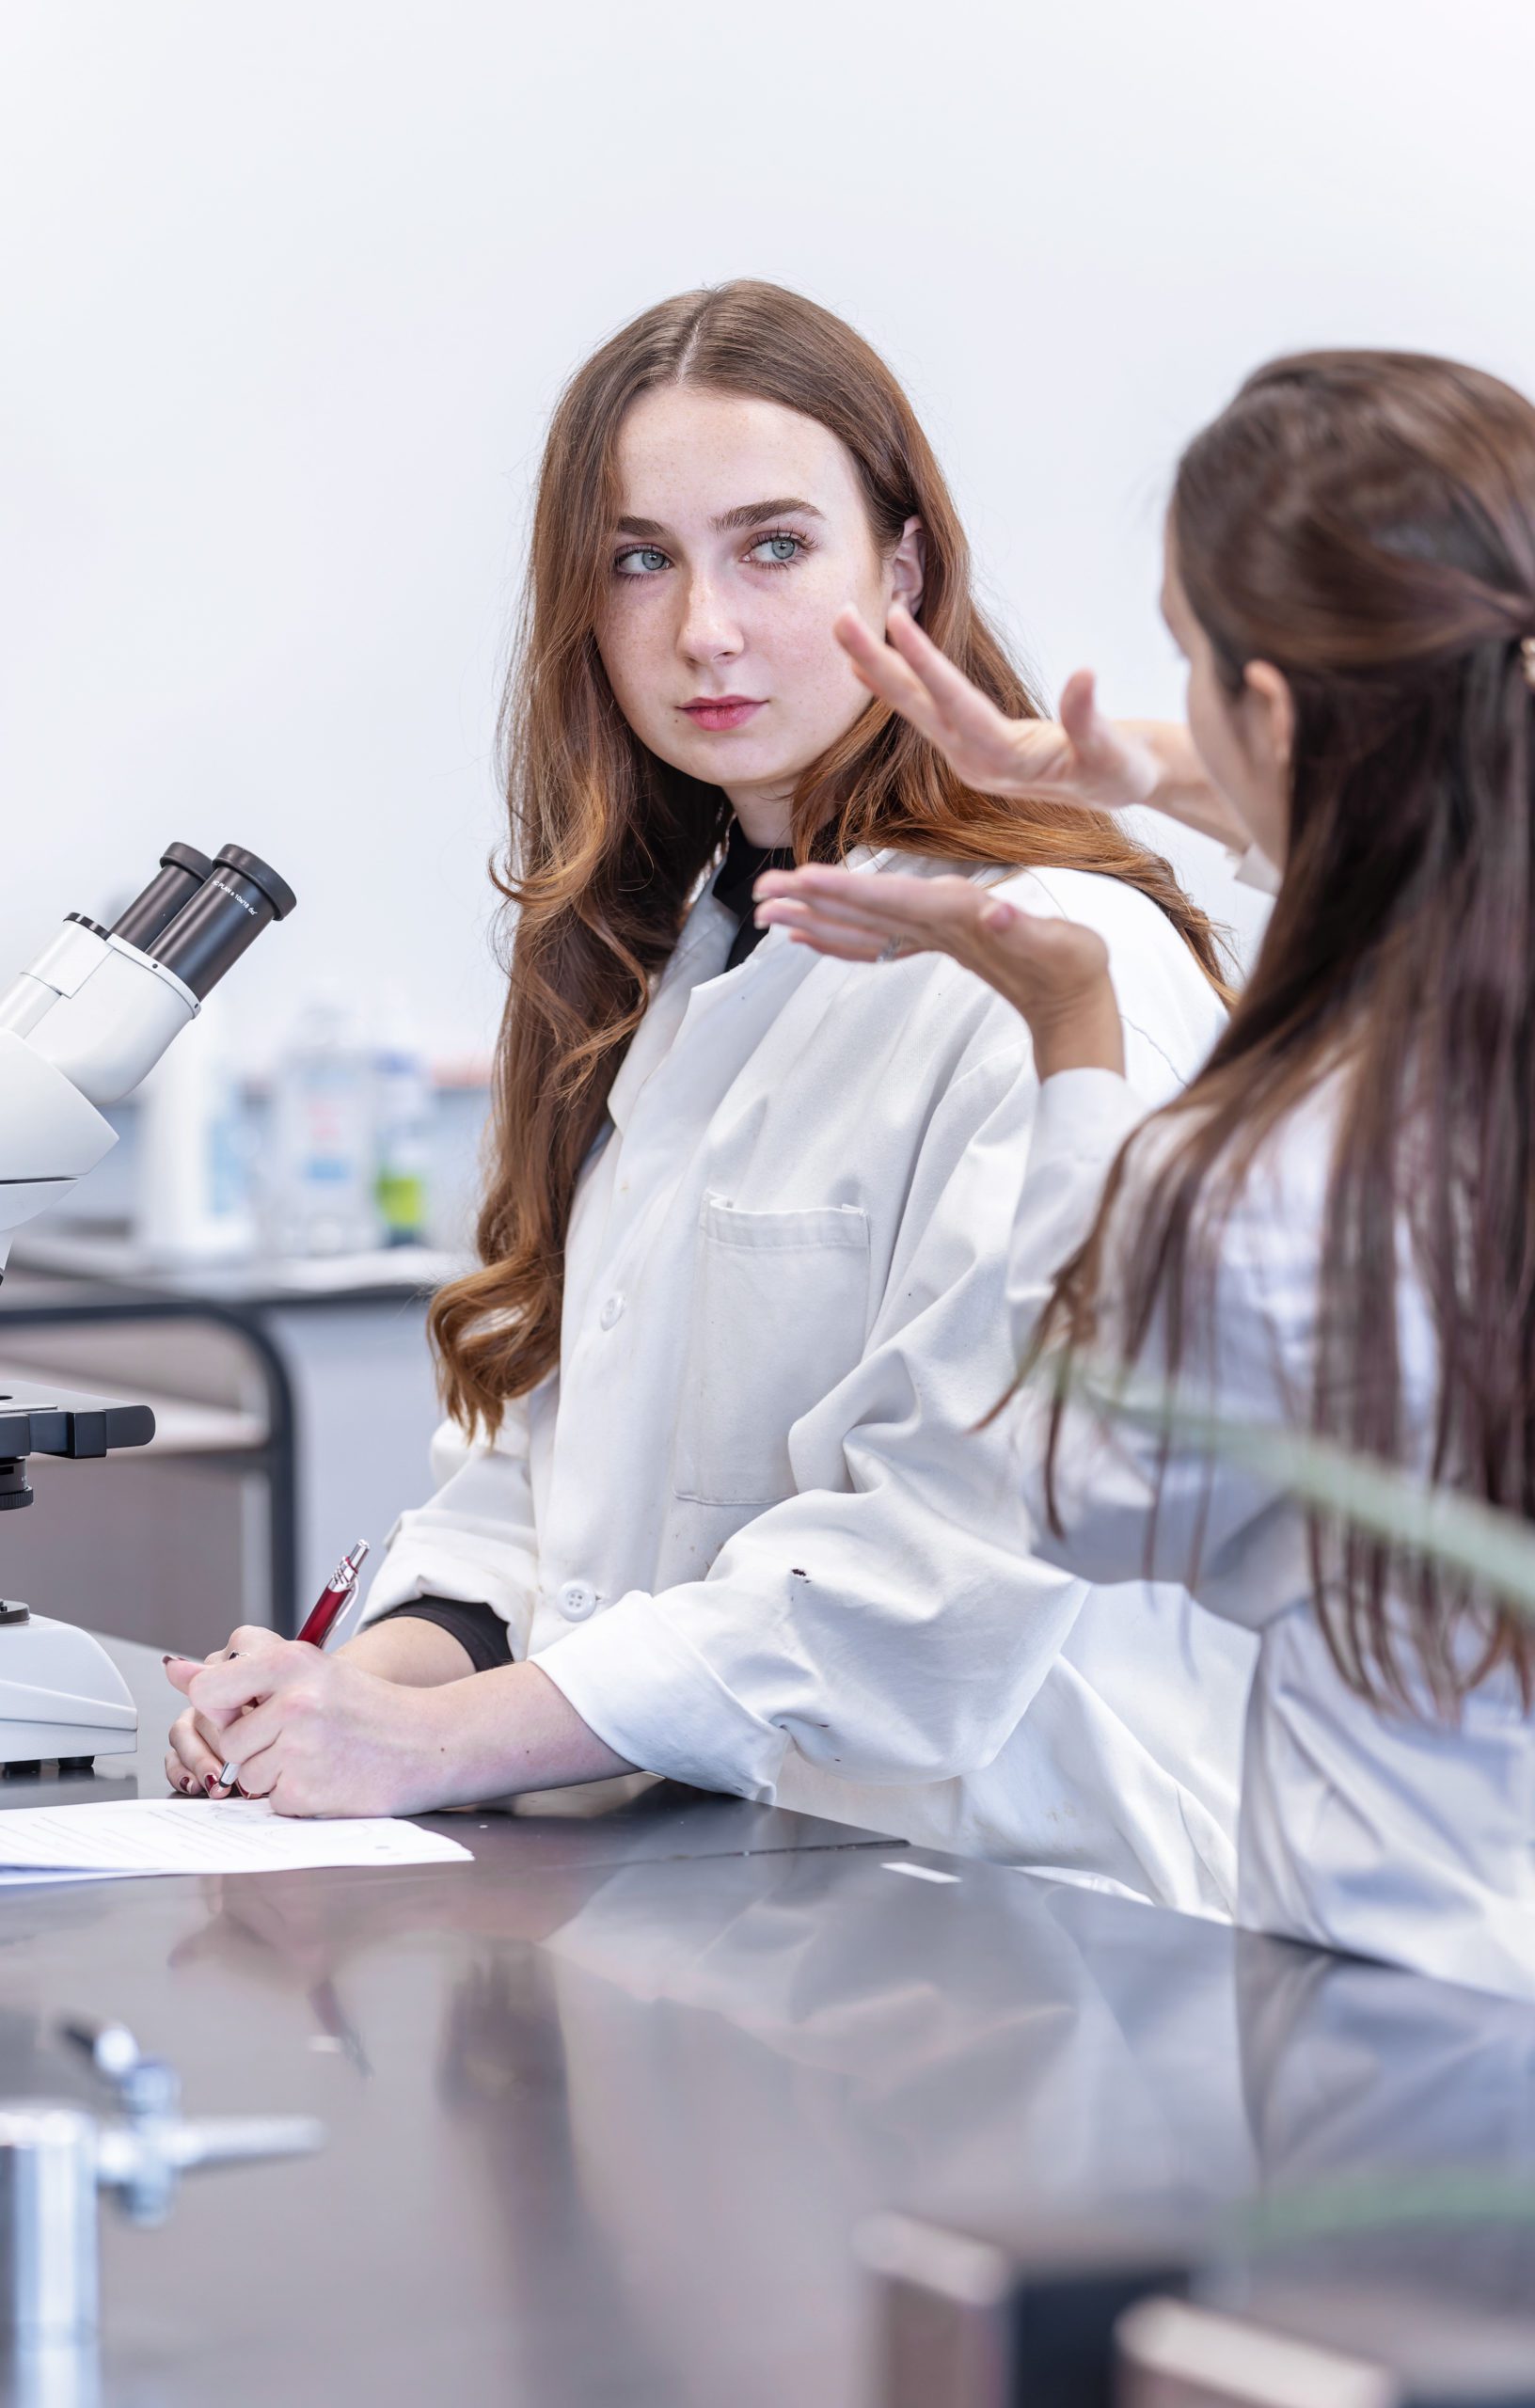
<point>908,565</point>
<point>1271,710</point>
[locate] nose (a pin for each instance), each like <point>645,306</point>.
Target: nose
<point>709,630</point>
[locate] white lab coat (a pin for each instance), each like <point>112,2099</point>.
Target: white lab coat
<point>1360,1829</point>
<point>751,1529</point>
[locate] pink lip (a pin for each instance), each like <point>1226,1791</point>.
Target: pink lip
<point>721,710</point>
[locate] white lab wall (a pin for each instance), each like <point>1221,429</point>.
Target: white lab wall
<point>291,287</point>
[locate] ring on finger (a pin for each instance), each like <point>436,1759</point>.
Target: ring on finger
<point>893,951</point>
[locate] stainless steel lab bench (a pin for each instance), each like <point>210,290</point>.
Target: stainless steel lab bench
<point>606,2110</point>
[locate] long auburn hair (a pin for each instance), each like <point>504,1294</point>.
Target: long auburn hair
<point>1365,521</point>
<point>606,843</point>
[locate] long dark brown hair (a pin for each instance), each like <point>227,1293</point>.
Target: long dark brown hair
<point>606,843</point>
<point>1365,521</point>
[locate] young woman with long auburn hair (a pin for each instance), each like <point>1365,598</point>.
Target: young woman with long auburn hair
<point>710,1503</point>
<point>1333,1226</point>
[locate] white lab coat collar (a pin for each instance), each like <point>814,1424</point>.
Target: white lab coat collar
<point>695,984</point>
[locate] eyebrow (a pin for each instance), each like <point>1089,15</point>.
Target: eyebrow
<point>756,514</point>
<point>746,514</point>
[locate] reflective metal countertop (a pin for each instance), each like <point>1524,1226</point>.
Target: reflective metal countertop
<point>605,2109</point>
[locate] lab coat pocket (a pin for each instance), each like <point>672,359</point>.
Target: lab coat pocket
<point>779,1314</point>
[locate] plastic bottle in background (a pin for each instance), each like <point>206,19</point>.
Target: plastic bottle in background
<point>402,1129</point>
<point>321,1196</point>
<point>193,1200</point>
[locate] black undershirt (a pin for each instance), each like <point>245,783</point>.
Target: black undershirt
<point>737,874</point>
<point>479,1629</point>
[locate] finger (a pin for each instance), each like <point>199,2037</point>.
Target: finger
<point>832,932</point>
<point>1007,936</point>
<point>249,1737</point>
<point>218,1692</point>
<point>1089,730</point>
<point>891,902</point>
<point>176,1775</point>
<point>251,1638</point>
<point>191,1755</point>
<point>1048,954</point>
<point>850,888</point>
<point>849,939</point>
<point>259,1771</point>
<point>962,708</point>
<point>830,936</point>
<point>886,675</point>
<point>788,911</point>
<point>211,1733</point>
<point>214,1737</point>
<point>255,1638</point>
<point>840,948</point>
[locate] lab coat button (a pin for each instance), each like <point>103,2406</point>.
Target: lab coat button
<point>576,1601</point>
<point>610,1311</point>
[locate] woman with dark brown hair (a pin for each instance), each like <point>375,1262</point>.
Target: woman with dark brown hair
<point>710,1503</point>
<point>1333,1227</point>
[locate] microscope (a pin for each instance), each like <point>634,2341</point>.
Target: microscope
<point>78,1030</point>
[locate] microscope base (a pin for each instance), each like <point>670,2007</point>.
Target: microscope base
<point>61,1696</point>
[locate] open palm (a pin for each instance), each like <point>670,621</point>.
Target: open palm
<point>1052,970</point>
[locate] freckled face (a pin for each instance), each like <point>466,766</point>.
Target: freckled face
<point>742,532</point>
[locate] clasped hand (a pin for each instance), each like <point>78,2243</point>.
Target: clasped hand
<point>314,1734</point>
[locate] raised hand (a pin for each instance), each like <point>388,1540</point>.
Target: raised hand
<point>1081,757</point>
<point>1052,970</point>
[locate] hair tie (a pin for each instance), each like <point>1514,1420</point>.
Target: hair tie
<point>1526,653</point>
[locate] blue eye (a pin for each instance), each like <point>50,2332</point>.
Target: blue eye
<point>649,559</point>
<point>780,550</point>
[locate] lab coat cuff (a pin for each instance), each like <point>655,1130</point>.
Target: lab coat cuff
<point>638,1683</point>
<point>1082,1116</point>
<point>432,1568</point>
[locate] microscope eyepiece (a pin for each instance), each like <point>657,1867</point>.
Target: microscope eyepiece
<point>261,874</point>
<point>183,871</point>
<point>241,895</point>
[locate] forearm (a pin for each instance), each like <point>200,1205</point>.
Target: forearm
<point>1183,790</point>
<point>500,1732</point>
<point>413,1654</point>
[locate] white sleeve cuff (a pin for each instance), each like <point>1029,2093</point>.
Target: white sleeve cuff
<point>1082,1116</point>
<point>433,1565</point>
<point>639,1684</point>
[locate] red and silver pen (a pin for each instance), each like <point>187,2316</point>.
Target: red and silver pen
<point>319,1621</point>
<point>336,1592</point>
